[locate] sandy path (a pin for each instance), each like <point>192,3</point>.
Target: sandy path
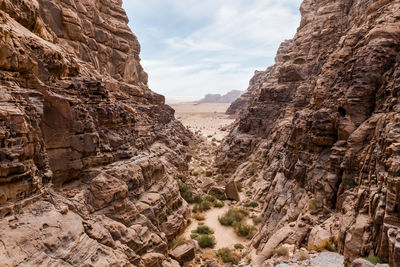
<point>224,235</point>
<point>208,118</point>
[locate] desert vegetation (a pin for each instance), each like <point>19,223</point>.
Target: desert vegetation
<point>235,217</point>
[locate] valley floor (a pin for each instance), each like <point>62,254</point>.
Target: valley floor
<point>232,244</point>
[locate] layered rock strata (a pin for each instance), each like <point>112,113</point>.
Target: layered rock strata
<point>89,155</point>
<point>319,137</point>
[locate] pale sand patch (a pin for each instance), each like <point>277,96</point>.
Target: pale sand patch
<point>225,236</point>
<point>208,118</point>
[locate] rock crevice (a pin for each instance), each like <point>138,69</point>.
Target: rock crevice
<point>317,136</point>
<point>89,154</point>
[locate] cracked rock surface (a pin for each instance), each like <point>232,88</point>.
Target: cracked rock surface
<point>318,135</point>
<point>89,154</point>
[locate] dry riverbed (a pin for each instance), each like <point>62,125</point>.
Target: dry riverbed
<point>209,122</point>
<point>209,119</point>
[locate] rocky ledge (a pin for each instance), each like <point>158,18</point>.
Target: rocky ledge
<point>318,138</point>
<point>89,155</point>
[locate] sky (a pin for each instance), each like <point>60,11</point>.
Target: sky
<point>195,47</point>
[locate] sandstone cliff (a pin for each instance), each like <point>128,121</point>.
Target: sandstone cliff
<point>89,155</point>
<point>319,138</point>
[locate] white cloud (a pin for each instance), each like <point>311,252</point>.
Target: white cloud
<point>182,82</point>
<point>210,46</point>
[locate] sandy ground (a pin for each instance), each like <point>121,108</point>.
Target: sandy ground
<point>225,236</point>
<point>208,118</point>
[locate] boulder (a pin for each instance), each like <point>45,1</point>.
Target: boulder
<point>184,253</point>
<point>170,263</point>
<point>361,263</point>
<point>217,191</point>
<point>328,259</point>
<point>317,237</point>
<point>212,263</point>
<point>207,183</point>
<point>231,191</point>
<point>153,259</point>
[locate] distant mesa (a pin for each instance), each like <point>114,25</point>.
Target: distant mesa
<point>229,97</point>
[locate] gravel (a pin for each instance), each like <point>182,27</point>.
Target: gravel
<point>328,259</point>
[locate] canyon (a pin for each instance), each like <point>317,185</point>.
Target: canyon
<point>93,162</point>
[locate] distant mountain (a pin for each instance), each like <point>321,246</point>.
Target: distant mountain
<point>217,98</point>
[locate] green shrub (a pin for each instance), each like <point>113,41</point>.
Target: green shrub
<point>202,229</point>
<point>220,196</point>
<point>252,204</point>
<point>206,241</point>
<point>249,193</point>
<point>282,251</point>
<point>316,204</point>
<point>245,230</point>
<point>252,170</point>
<point>197,198</point>
<point>303,255</point>
<point>239,186</point>
<point>219,178</point>
<point>211,199</point>
<point>373,259</point>
<point>232,216</point>
<point>327,245</point>
<point>238,246</point>
<point>199,216</point>
<point>256,219</point>
<point>219,204</point>
<point>228,256</point>
<point>186,192</point>
<point>194,235</point>
<point>203,206</point>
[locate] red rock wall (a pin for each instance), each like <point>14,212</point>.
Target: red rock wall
<point>89,154</point>
<point>323,122</point>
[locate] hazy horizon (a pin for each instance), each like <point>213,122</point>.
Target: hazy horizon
<point>192,48</point>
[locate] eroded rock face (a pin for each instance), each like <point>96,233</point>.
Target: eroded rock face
<point>319,138</point>
<point>89,154</point>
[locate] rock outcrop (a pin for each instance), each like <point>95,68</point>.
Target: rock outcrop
<point>217,98</point>
<point>89,155</point>
<point>255,84</point>
<point>318,138</point>
<point>185,252</point>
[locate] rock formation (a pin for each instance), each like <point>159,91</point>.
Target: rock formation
<point>89,155</point>
<point>319,136</point>
<point>217,98</point>
<point>255,84</point>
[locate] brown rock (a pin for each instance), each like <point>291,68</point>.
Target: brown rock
<point>184,253</point>
<point>105,189</point>
<point>207,183</point>
<point>231,191</point>
<point>320,126</point>
<point>212,263</point>
<point>89,154</point>
<point>217,191</point>
<point>170,263</point>
<point>153,259</point>
<point>361,263</point>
